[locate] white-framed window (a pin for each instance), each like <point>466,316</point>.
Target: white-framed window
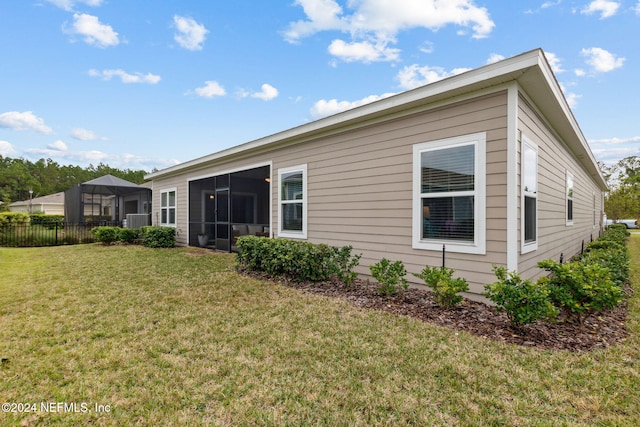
<point>292,202</point>
<point>529,191</point>
<point>168,207</point>
<point>569,203</point>
<point>449,194</point>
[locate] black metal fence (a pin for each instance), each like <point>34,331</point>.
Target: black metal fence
<point>45,234</point>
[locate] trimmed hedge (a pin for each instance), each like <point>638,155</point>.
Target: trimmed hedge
<point>9,218</point>
<point>128,235</point>
<point>583,287</point>
<point>150,236</point>
<point>47,220</point>
<point>158,237</point>
<point>523,301</point>
<point>302,261</point>
<point>105,235</point>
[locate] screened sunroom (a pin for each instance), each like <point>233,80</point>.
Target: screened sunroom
<point>226,206</point>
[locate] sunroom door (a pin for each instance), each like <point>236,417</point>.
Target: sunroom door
<point>223,240</point>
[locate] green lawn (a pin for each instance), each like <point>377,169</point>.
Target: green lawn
<point>176,337</point>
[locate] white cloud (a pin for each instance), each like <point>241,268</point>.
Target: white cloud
<point>554,62</point>
<point>580,72</point>
<point>605,8</point>
<point>363,51</point>
<point>610,150</point>
<point>495,57</point>
<point>323,15</point>
<point>617,141</point>
<point>6,149</point>
<point>68,5</point>
<point>601,60</point>
<point>190,35</point>
<point>92,156</point>
<point>23,121</point>
<point>85,135</point>
<point>267,93</point>
<point>572,99</point>
<point>549,4</point>
<point>637,8</point>
<point>126,77</point>
<point>373,24</point>
<point>427,47</point>
<point>95,33</point>
<point>414,75</point>
<point>58,146</point>
<point>210,89</point>
<point>325,108</point>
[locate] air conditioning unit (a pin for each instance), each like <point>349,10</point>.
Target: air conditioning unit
<point>138,220</point>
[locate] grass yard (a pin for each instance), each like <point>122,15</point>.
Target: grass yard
<point>127,335</point>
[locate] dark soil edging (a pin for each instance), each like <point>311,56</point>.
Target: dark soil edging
<point>600,331</point>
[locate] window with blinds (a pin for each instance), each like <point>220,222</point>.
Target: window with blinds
<point>449,206</point>
<point>448,190</point>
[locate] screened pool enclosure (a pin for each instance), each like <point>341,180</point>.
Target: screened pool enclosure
<point>107,200</point>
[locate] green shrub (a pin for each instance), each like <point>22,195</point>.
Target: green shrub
<point>523,301</point>
<point>158,236</point>
<point>105,235</point>
<point>581,289</point>
<point>302,261</point>
<point>345,263</point>
<point>445,289</point>
<point>610,254</point>
<point>9,218</point>
<point>128,235</point>
<point>50,221</point>
<point>390,276</point>
<point>616,231</point>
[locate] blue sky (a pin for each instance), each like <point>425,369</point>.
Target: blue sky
<point>145,85</point>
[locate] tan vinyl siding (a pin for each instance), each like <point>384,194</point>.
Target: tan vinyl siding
<point>555,237</point>
<point>360,185</point>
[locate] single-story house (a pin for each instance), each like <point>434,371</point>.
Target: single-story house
<point>52,204</point>
<point>489,166</point>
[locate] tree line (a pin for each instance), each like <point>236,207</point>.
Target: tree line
<point>18,176</point>
<point>45,176</point>
<point>623,178</point>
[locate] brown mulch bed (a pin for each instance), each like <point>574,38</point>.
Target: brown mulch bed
<point>477,318</point>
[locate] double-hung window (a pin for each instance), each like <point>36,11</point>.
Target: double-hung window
<point>569,193</point>
<point>292,201</point>
<point>529,201</point>
<point>168,207</point>
<point>449,194</point>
